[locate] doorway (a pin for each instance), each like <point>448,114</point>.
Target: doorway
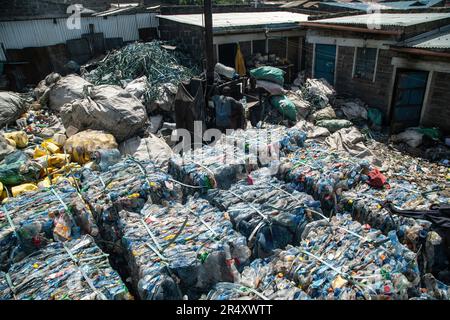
<point>325,62</point>
<point>409,94</point>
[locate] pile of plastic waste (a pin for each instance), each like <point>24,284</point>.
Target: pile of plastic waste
<point>179,249</point>
<point>74,270</point>
<point>337,259</point>
<point>209,167</point>
<point>160,66</point>
<point>32,221</point>
<point>266,211</point>
<point>127,185</point>
<point>321,173</point>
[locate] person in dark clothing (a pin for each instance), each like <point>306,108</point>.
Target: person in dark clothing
<point>230,114</point>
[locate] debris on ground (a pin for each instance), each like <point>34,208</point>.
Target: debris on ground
<point>315,201</point>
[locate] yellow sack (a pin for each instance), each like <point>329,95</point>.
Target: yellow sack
<point>39,152</point>
<point>19,137</point>
<point>58,160</point>
<point>240,62</point>
<point>50,146</point>
<point>26,187</point>
<point>83,144</point>
<point>46,183</point>
<point>11,142</point>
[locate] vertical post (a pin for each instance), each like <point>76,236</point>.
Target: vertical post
<point>209,49</point>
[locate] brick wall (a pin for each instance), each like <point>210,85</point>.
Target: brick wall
<point>437,111</point>
<point>375,93</point>
<point>188,38</point>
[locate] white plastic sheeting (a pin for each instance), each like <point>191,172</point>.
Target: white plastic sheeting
<point>45,32</point>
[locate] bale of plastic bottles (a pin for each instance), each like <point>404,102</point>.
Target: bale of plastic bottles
<point>340,259</point>
<point>128,185</point>
<point>208,168</point>
<point>322,174</point>
<point>180,249</point>
<point>266,211</point>
<point>73,270</point>
<point>30,222</point>
<point>258,282</point>
<point>265,144</point>
<point>371,206</point>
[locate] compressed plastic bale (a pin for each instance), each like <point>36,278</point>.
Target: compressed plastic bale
<point>268,73</point>
<point>83,145</point>
<point>322,173</point>
<point>107,108</point>
<point>368,205</point>
<point>31,221</point>
<point>342,260</point>
<point>179,249</point>
<point>66,90</point>
<point>75,270</point>
<point>268,288</point>
<point>11,107</point>
<point>334,124</point>
<point>18,168</point>
<point>148,148</point>
<point>266,211</point>
<point>126,185</point>
<point>19,137</point>
<point>207,168</point>
<point>265,144</point>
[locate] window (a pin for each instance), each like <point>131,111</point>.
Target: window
<point>259,46</point>
<point>365,62</point>
<point>277,46</point>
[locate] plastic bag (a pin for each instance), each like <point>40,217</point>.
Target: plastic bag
<point>268,73</point>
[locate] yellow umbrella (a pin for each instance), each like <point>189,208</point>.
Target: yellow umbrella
<point>239,62</point>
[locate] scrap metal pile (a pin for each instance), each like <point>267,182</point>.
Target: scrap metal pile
<point>318,210</point>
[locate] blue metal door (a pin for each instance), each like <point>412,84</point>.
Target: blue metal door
<point>325,59</point>
<point>408,98</point>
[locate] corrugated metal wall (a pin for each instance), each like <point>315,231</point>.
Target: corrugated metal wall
<point>39,33</point>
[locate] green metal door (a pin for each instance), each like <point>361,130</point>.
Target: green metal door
<point>325,60</point>
<point>409,93</point>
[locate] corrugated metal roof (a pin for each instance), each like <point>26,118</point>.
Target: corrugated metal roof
<point>388,19</point>
<point>240,20</point>
<point>397,5</point>
<point>435,39</point>
<point>38,33</point>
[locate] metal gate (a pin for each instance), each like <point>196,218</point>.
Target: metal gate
<point>325,60</point>
<point>410,86</point>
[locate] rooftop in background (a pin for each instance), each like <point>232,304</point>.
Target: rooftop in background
<point>387,19</point>
<point>435,39</point>
<point>397,5</point>
<point>243,20</point>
